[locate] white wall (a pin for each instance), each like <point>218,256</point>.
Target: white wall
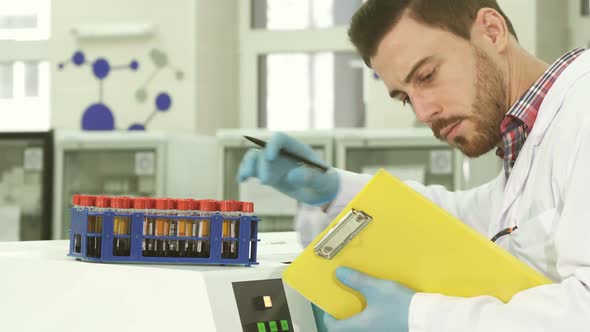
<point>217,58</point>
<point>199,38</point>
<point>579,26</point>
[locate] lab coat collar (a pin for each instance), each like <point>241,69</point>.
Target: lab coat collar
<point>549,108</point>
<point>555,96</point>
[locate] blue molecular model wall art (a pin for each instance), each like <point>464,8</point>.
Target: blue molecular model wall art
<point>163,101</point>
<point>99,116</point>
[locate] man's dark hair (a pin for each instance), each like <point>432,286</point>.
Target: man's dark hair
<point>375,18</point>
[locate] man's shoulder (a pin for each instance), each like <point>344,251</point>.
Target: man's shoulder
<point>576,102</point>
<point>572,118</point>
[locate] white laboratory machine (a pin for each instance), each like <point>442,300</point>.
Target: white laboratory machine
<point>26,184</point>
<point>276,209</point>
<point>79,296</point>
<point>412,154</point>
<point>148,164</point>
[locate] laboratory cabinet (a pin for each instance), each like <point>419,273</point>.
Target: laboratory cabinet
<point>26,184</point>
<point>413,154</point>
<point>134,164</point>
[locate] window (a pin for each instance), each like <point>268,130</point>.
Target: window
<point>24,95</point>
<point>301,14</point>
<point>24,20</point>
<point>24,69</point>
<point>299,91</point>
<point>298,69</point>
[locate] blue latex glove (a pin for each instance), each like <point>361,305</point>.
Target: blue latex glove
<point>302,183</point>
<point>388,304</point>
<point>318,315</point>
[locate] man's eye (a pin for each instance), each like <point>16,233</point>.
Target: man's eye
<point>427,77</point>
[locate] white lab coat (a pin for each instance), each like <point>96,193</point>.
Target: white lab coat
<point>309,222</point>
<point>546,197</point>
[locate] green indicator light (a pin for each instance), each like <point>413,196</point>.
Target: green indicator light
<point>284,325</point>
<point>261,327</point>
<point>273,326</point>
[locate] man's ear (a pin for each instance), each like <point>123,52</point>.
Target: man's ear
<point>490,27</point>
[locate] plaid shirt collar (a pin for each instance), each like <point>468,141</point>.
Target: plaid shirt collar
<point>519,120</point>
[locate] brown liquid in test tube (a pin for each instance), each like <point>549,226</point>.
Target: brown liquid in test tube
<point>247,210</point>
<point>87,202</point>
<point>151,227</point>
<point>77,237</point>
<point>185,207</point>
<point>234,230</point>
<point>171,230</point>
<point>121,226</point>
<point>161,209</point>
<point>229,228</point>
<point>140,205</point>
<point>193,229</point>
<point>208,208</point>
<point>225,207</point>
<point>102,204</point>
<point>116,221</point>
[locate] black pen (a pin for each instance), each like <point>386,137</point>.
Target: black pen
<point>290,155</point>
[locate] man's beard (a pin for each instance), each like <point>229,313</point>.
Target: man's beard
<point>487,113</point>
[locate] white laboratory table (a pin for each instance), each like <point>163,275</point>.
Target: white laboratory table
<point>42,289</point>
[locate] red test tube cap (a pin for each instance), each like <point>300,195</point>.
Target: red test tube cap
<point>121,203</point>
<point>103,201</point>
<point>87,200</point>
<point>139,203</point>
<point>171,203</point>
<point>248,207</point>
<point>185,204</point>
<point>226,206</point>
<point>196,204</point>
<point>76,199</point>
<point>161,204</point>
<point>150,203</point>
<point>209,205</point>
<point>236,206</point>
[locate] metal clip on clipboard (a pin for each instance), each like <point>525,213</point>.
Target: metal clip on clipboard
<point>346,229</point>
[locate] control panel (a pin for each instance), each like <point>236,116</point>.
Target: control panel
<point>262,306</point>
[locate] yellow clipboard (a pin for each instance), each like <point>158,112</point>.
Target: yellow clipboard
<point>392,232</point>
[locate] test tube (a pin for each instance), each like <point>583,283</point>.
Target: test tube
<point>102,204</point>
<point>140,205</point>
<point>121,226</point>
<point>234,230</point>
<point>85,202</point>
<point>151,226</point>
<point>207,208</point>
<point>77,237</point>
<point>229,210</point>
<point>162,226</point>
<point>248,210</point>
<point>185,207</point>
<point>171,229</point>
<point>193,228</point>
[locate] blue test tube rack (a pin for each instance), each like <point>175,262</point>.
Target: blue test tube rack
<point>247,239</point>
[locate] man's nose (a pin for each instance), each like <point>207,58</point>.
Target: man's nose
<point>426,109</point>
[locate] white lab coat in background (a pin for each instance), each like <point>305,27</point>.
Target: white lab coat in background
<point>309,222</point>
<point>548,197</point>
